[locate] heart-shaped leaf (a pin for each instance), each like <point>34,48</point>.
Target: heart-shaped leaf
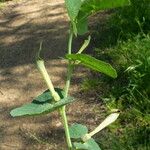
<point>77,131</point>
<point>43,104</point>
<point>82,26</point>
<point>89,7</point>
<point>88,145</point>
<point>47,97</point>
<point>94,64</point>
<point>73,7</point>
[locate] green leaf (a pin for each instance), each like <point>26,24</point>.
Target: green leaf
<point>32,109</point>
<point>88,145</point>
<point>94,64</point>
<point>46,96</point>
<point>43,104</point>
<point>89,7</point>
<point>77,130</point>
<point>73,7</point>
<point>82,26</point>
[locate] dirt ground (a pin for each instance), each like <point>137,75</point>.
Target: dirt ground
<point>23,24</point>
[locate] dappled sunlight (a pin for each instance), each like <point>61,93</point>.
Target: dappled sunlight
<point>29,23</point>
<point>23,25</point>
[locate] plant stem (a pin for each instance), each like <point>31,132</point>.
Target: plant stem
<point>63,112</point>
<point>69,69</point>
<point>66,127</point>
<point>43,71</point>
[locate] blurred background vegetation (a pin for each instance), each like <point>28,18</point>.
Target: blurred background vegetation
<point>126,45</point>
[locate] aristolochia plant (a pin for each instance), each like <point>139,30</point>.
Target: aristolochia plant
<point>55,99</point>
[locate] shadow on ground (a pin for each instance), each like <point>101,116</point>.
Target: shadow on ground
<point>23,25</point>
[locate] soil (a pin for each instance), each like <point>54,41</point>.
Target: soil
<point>23,25</point>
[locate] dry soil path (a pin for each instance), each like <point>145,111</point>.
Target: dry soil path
<point>23,24</point>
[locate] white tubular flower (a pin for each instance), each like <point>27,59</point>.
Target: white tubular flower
<point>110,119</point>
<point>43,71</point>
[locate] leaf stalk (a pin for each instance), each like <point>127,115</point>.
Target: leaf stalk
<point>63,109</point>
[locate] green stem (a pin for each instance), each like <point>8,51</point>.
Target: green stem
<point>66,127</point>
<point>43,71</point>
<point>63,112</point>
<point>69,69</point>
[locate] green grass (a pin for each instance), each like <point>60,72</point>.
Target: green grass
<point>130,92</point>
<point>122,140</point>
<point>126,45</point>
<point>122,24</point>
<point>132,19</point>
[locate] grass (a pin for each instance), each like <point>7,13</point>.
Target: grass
<point>130,92</point>
<point>132,19</point>
<point>128,49</point>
